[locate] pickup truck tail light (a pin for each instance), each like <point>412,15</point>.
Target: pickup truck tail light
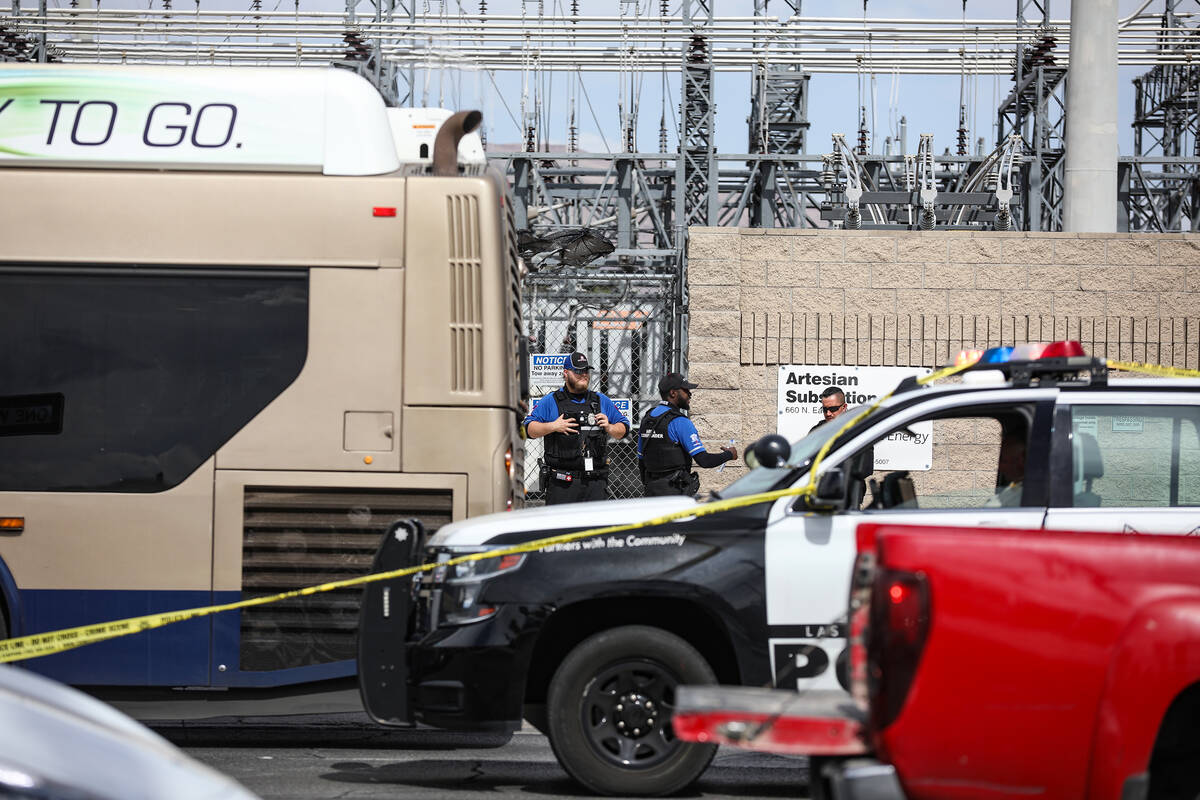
<point>896,629</point>
<point>862,582</point>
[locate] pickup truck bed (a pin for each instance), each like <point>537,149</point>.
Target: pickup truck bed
<point>1048,664</point>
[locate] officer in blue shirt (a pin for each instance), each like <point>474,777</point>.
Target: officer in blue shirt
<point>576,423</point>
<point>668,443</point>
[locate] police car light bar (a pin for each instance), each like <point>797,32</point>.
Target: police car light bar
<point>1047,362</point>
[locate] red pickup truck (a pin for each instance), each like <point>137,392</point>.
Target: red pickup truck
<point>998,664</point>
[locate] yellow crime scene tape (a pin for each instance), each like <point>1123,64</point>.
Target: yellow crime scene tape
<point>44,644</point>
<point>1153,369</point>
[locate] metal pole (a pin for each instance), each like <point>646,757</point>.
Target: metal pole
<point>1091,162</point>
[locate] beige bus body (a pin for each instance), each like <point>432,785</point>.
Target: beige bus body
<point>406,404</point>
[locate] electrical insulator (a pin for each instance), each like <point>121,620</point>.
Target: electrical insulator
<point>1004,219</point>
<point>962,130</point>
<point>927,219</point>
<point>853,219</point>
<point>827,173</point>
<point>992,180</point>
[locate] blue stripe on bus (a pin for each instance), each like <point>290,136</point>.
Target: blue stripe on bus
<point>175,655</point>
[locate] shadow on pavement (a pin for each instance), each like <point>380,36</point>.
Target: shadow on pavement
<point>784,779</point>
<point>331,730</point>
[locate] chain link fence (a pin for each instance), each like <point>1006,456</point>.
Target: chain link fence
<point>625,329</point>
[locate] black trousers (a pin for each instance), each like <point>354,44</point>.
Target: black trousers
<point>580,490</point>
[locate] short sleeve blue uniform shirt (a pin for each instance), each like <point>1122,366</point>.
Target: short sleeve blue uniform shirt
<point>682,431</point>
<point>546,410</point>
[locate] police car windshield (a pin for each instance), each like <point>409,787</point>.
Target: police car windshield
<point>761,479</point>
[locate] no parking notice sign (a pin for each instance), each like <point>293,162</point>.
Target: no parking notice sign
<point>800,388</point>
<point>545,372</point>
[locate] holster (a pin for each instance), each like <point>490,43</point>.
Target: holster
<point>683,481</point>
<point>689,482</point>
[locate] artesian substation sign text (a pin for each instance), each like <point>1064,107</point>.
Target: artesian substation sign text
<point>800,389</point>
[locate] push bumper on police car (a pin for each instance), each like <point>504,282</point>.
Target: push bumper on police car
<point>412,669</point>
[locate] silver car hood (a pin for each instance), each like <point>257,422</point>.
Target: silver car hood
<point>68,744</point>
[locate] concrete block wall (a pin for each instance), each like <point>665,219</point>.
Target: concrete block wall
<point>1143,289</point>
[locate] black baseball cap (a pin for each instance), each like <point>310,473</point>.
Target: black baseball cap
<point>673,380</point>
<point>577,361</point>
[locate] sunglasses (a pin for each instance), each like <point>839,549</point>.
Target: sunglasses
<point>579,371</point>
<point>832,409</point>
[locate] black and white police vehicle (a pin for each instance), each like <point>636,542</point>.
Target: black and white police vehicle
<point>588,640</point>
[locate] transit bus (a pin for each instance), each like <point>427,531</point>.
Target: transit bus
<point>251,317</point>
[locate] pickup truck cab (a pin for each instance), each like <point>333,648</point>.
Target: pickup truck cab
<point>1005,664</point>
<point>588,641</point>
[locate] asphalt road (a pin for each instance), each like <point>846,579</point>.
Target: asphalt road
<point>423,765</point>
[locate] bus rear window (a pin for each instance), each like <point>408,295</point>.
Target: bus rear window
<point>127,380</point>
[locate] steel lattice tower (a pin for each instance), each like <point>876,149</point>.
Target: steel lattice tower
<point>778,125</point>
<point>1036,109</point>
<point>1166,132</point>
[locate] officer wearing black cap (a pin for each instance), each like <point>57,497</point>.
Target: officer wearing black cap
<point>668,442</point>
<point>576,423</point>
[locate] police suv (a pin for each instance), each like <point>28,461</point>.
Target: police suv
<point>587,640</point>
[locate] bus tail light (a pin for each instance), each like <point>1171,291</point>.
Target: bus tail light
<point>508,461</point>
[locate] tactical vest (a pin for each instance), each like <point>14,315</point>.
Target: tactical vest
<point>567,451</point>
<point>659,454</point>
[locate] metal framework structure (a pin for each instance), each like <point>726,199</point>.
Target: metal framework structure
<point>1036,111</point>
<point>629,310</point>
<point>1160,186</point>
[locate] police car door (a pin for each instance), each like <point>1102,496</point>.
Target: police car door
<point>809,555</point>
<point>1127,462</point>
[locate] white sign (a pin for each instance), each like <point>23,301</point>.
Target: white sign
<point>106,115</point>
<point>1126,424</point>
<point>625,406</point>
<point>546,372</point>
<point>800,389</point>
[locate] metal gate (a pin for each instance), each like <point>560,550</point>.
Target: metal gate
<point>625,328</point>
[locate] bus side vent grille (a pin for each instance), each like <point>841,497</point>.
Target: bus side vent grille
<point>466,294</point>
<point>297,537</point>
<point>514,291</point>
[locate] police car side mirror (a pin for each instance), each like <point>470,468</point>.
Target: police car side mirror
<point>771,452</point>
<point>831,494</point>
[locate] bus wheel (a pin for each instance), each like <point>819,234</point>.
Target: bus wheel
<point>610,706</point>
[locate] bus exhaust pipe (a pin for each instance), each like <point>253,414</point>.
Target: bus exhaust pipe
<point>445,146</point>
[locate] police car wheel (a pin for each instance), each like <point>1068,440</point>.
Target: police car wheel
<point>610,705</point>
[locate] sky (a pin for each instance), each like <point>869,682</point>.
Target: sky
<point>929,103</point>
